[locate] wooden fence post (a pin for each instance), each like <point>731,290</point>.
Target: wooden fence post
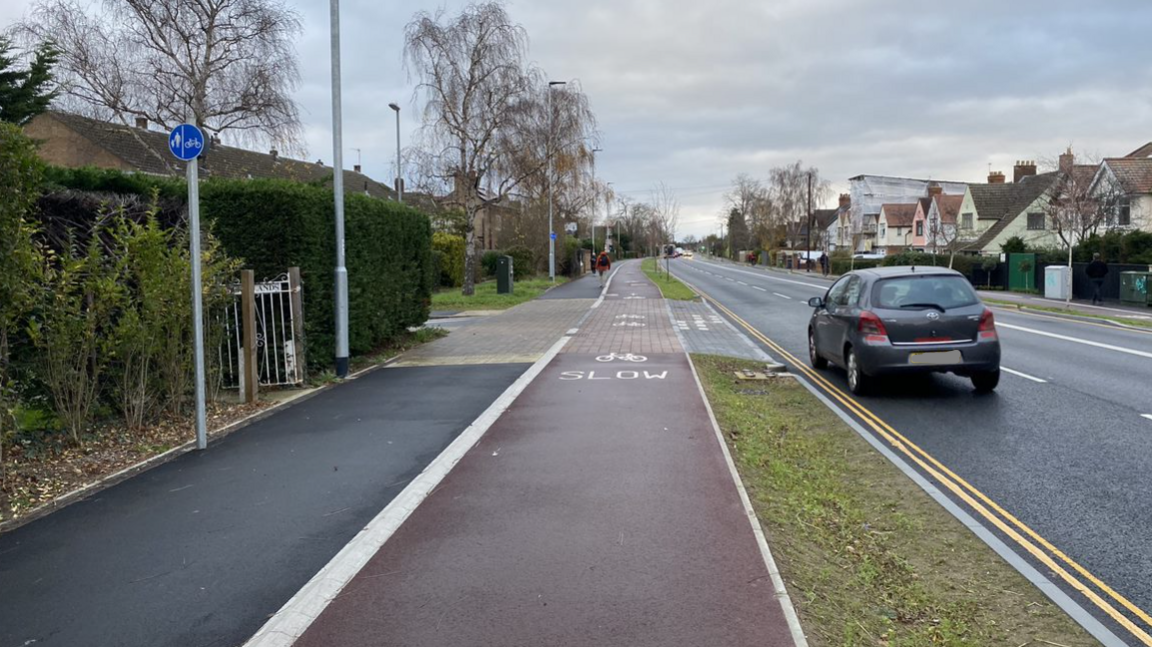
<point>251,374</point>
<point>298,321</point>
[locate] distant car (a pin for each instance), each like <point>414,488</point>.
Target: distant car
<point>893,320</point>
<point>688,254</point>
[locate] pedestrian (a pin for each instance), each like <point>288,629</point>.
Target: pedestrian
<point>1096,271</point>
<point>824,263</point>
<point>603,264</point>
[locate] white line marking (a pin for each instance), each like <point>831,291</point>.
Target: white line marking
<point>1118,349</point>
<point>769,276</point>
<point>1023,375</point>
<point>773,571</point>
<point>782,296</point>
<point>294,618</point>
<point>757,287</point>
<point>741,282</point>
<point>1146,415</point>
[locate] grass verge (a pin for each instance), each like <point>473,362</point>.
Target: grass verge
<point>1142,323</point>
<point>486,298</point>
<point>867,556</point>
<point>670,286</point>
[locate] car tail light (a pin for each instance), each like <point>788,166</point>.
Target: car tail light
<point>872,328</point>
<point>987,325</point>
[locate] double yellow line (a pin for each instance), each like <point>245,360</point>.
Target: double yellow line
<point>1027,538</point>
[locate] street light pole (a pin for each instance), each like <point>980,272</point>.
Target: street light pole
<point>808,238</point>
<point>551,229</point>
<point>399,170</point>
<point>595,190</point>
<point>338,197</point>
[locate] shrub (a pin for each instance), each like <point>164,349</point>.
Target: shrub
<point>523,261</point>
<point>1014,245</point>
<point>565,256</point>
<point>20,259</point>
<point>490,262</point>
<point>276,224</point>
<point>451,250</point>
<point>843,265</point>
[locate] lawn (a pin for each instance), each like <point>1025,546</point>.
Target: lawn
<point>867,556</point>
<point>1143,323</point>
<point>486,298</point>
<point>670,286</point>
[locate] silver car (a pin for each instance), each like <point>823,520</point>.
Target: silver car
<point>893,320</point>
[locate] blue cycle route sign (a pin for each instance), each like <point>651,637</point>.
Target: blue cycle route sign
<point>186,142</point>
<point>553,235</point>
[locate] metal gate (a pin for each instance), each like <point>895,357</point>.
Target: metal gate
<point>278,347</point>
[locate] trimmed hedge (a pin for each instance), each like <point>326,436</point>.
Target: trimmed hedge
<point>276,224</point>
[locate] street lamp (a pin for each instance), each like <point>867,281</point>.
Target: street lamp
<point>338,196</point>
<point>551,230</point>
<point>594,151</point>
<point>399,171</point>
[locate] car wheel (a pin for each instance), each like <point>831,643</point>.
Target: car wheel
<point>857,380</point>
<point>986,381</point>
<point>814,357</point>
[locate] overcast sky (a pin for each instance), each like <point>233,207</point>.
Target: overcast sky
<point>692,93</point>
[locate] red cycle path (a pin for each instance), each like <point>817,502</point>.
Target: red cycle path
<point>598,510</point>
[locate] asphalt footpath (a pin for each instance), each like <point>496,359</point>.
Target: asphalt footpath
<point>199,552</point>
<point>599,509</point>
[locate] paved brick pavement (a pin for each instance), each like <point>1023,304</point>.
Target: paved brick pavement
<point>702,330</point>
<point>631,319</point>
<point>521,334</point>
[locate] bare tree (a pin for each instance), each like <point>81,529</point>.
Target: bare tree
<point>227,65</point>
<point>1076,205</point>
<point>486,111</point>
<point>788,191</point>
<point>666,211</point>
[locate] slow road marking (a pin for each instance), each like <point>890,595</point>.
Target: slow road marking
<point>1086,342</point>
<point>1023,375</point>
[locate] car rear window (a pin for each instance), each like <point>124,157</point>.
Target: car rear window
<point>912,292</point>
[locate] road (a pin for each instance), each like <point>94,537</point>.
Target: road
<point>1064,446</point>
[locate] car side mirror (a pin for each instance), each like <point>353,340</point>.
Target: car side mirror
<point>816,302</point>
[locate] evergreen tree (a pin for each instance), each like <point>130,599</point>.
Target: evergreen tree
<point>25,93</point>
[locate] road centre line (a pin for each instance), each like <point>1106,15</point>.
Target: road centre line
<point>741,282</point>
<point>757,287</point>
<point>765,275</point>
<point>1023,375</point>
<point>1086,342</point>
<point>958,486</point>
<point>782,296</point>
<point>1146,415</point>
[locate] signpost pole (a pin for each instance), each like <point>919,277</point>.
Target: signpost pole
<point>197,300</point>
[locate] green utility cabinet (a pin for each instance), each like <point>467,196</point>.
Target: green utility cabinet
<point>1134,288</point>
<point>504,275</point>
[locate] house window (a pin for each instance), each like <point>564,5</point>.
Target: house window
<point>919,227</point>
<point>966,221</point>
<point>1035,221</point>
<point>883,230</point>
<point>1124,212</point>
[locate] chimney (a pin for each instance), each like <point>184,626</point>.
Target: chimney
<point>935,190</point>
<point>845,200</point>
<point>356,168</point>
<point>1067,161</point>
<point>319,162</point>
<point>1023,170</point>
<point>275,154</point>
<point>995,177</point>
<point>142,123</point>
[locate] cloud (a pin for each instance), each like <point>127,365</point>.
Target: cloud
<point>693,93</point>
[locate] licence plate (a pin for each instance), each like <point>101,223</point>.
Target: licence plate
<point>937,357</point>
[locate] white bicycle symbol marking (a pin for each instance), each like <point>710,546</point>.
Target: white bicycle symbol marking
<point>626,357</point>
